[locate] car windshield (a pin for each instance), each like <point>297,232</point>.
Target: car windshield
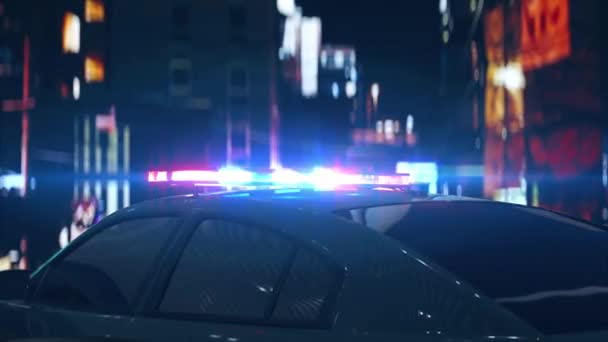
<point>548,269</point>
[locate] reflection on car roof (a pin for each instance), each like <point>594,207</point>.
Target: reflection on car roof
<point>316,200</point>
<point>328,201</point>
<point>455,198</point>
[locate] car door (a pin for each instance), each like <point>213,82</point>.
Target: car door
<point>237,281</point>
<point>93,287</point>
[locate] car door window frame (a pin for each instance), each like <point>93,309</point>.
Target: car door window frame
<point>325,319</point>
<point>38,277</point>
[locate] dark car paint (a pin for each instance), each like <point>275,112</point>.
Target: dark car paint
<point>306,213</point>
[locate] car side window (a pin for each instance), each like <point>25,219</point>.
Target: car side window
<point>238,273</point>
<point>308,291</point>
<point>228,270</point>
<point>107,271</point>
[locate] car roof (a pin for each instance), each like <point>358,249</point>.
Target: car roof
<point>373,262</point>
<point>301,213</point>
<point>364,246</point>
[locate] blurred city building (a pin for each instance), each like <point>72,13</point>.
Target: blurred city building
<point>330,113</point>
<point>318,93</point>
<point>114,90</point>
<point>15,100</point>
<point>95,92</point>
<point>200,70</point>
<point>57,53</point>
<point>545,129</point>
<point>459,128</point>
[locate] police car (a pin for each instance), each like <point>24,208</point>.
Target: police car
<point>324,256</point>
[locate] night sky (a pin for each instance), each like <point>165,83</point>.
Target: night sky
<point>398,44</point>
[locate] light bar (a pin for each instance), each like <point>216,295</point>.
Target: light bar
<point>321,178</point>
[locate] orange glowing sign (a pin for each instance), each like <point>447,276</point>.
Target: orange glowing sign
<point>94,11</point>
<point>494,35</point>
<point>71,33</point>
<point>495,95</point>
<point>94,69</point>
<point>545,32</point>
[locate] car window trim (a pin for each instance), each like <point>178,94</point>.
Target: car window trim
<point>60,255</point>
<point>274,298</point>
<point>326,313</point>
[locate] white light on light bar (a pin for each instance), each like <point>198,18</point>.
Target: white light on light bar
<point>287,176</point>
<point>323,178</point>
<point>234,175</point>
<point>193,176</point>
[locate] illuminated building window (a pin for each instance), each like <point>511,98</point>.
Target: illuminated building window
<point>443,6</point>
<point>351,89</point>
<point>339,59</point>
<point>310,51</point>
<point>409,124</point>
<point>388,127</point>
<point>473,5</point>
<point>94,11</point>
<point>71,33</point>
<point>379,127</point>
<point>352,74</point>
<point>323,58</point>
<point>286,7</point>
<point>94,69</point>
<point>335,90</point>
<point>76,88</point>
<point>290,36</point>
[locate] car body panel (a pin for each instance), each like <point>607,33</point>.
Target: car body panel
<point>388,292</point>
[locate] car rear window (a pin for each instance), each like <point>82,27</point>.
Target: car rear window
<point>548,269</point>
